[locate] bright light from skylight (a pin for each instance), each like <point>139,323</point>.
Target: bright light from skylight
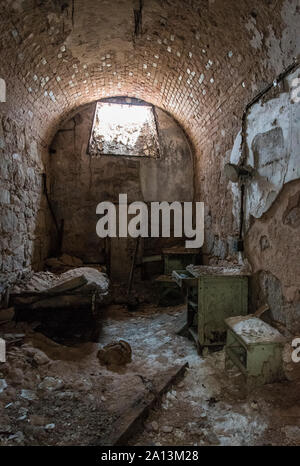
<point>122,129</point>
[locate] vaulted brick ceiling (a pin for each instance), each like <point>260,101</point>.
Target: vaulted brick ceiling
<point>195,58</point>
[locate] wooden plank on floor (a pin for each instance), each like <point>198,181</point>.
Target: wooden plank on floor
<point>131,420</point>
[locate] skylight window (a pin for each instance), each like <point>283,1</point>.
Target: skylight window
<point>124,129</point>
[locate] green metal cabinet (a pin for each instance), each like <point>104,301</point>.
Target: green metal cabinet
<point>189,285</point>
<point>255,348</point>
<point>219,298</point>
<point>213,294</point>
<point>184,279</point>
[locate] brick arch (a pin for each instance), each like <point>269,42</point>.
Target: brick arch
<point>201,61</point>
<point>190,58</point>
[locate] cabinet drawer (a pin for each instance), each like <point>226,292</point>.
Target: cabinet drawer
<point>184,279</point>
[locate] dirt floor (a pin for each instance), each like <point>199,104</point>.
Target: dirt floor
<point>52,394</point>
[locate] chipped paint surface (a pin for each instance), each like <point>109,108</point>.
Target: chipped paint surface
<point>273,149</point>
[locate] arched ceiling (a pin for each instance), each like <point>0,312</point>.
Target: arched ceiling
<point>193,58</point>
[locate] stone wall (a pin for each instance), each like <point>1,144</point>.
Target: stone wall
<point>23,211</point>
<point>80,181</point>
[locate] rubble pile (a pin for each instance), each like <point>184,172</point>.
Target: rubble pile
<point>42,385</point>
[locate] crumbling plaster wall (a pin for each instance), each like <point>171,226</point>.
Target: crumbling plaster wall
<point>80,181</point>
<point>273,248</point>
<point>272,201</point>
<point>274,46</point>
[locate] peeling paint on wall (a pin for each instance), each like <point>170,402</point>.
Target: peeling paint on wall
<point>287,45</point>
<point>273,144</point>
<point>272,203</point>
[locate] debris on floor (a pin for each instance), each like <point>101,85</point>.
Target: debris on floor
<point>53,394</point>
<point>44,383</point>
<point>117,353</point>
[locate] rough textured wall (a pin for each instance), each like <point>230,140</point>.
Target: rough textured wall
<point>23,213</point>
<point>272,201</point>
<point>273,246</point>
<point>80,181</point>
<point>275,43</point>
<point>273,145</point>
